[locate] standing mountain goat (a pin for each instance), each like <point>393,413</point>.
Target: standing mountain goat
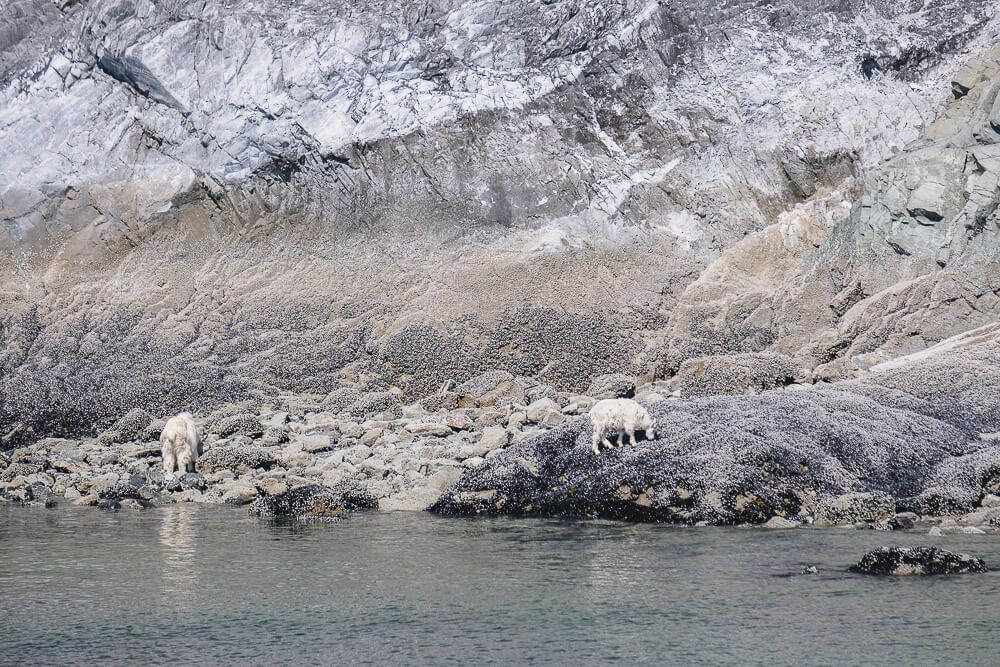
<point>621,415</point>
<point>179,444</point>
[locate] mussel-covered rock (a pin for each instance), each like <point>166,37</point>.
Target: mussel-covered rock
<point>904,561</point>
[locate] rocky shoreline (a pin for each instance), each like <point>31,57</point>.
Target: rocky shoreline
<point>888,451</point>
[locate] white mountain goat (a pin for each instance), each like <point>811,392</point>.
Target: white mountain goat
<point>622,416</point>
<point>179,444</point>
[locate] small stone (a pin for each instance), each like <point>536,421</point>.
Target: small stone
<point>935,532</point>
<point>473,462</point>
<point>812,569</point>
<point>972,530</point>
<point>780,522</point>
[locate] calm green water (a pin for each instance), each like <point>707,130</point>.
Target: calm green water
<point>209,585</point>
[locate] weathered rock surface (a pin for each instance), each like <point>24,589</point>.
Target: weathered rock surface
<point>205,203</point>
<point>907,561</point>
<point>896,437</point>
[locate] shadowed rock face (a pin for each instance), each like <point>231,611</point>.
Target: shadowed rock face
<point>203,203</point>
<point>910,434</point>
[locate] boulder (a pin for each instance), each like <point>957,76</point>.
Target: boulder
<point>313,502</point>
<point>235,458</point>
<point>906,561</point>
<point>239,424</point>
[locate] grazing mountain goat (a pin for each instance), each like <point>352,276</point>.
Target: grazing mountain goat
<point>621,415</point>
<point>179,444</point>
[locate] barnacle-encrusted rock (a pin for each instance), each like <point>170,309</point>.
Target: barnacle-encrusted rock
<point>612,385</point>
<point>749,373</point>
<point>314,502</point>
<point>906,561</point>
<point>235,459</point>
<point>374,402</point>
<point>894,438</point>
<point>238,424</point>
<point>130,426</point>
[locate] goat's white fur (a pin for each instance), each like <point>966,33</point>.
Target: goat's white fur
<point>179,444</point>
<point>622,416</point>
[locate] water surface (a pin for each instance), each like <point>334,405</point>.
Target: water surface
<point>192,584</point>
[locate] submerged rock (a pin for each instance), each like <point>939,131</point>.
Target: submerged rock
<point>313,502</point>
<point>905,561</point>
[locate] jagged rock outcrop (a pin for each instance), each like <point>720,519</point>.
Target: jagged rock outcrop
<point>905,438</point>
<point>204,203</point>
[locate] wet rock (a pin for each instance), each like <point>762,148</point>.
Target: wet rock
<point>905,561</point>
<point>237,492</point>
<point>613,385</point>
<point>190,480</point>
<point>313,502</point>
<point>903,521</point>
<point>235,459</point>
<point>780,522</point>
<point>120,491</point>
<point>108,505</point>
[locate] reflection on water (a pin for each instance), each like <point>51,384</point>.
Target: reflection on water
<point>177,544</point>
<point>209,585</point>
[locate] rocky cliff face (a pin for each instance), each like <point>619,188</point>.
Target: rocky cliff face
<point>205,203</point>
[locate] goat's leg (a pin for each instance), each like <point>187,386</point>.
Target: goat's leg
<point>595,441</point>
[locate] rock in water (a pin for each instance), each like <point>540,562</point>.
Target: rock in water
<point>905,561</point>
<point>313,502</point>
